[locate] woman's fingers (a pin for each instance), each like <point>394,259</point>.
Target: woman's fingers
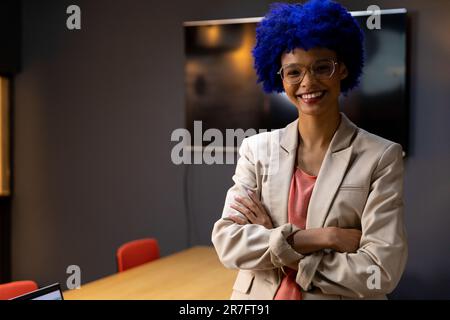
<point>238,220</point>
<point>253,210</point>
<point>249,205</point>
<point>245,211</point>
<point>347,240</point>
<point>255,199</point>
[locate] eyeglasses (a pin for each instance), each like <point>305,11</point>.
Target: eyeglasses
<point>321,69</point>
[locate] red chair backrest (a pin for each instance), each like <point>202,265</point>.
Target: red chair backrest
<point>137,252</point>
<point>17,288</point>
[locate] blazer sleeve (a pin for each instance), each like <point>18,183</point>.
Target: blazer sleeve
<point>251,246</point>
<point>383,248</point>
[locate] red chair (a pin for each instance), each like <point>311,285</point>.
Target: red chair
<point>137,252</point>
<point>17,288</point>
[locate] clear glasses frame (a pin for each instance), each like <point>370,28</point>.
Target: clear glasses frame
<point>312,70</point>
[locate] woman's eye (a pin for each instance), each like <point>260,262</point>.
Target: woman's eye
<point>322,69</point>
<point>293,73</point>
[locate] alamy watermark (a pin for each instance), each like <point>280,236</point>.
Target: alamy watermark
<point>222,149</point>
<point>374,20</point>
<point>73,22</point>
<point>74,280</point>
<point>374,280</point>
<point>214,152</point>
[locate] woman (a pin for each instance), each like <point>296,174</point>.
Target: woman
<point>316,211</point>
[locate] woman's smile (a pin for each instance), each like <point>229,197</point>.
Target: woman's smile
<point>312,98</point>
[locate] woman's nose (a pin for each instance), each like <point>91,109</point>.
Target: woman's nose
<point>307,79</point>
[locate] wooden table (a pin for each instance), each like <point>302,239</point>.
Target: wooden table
<point>193,274</point>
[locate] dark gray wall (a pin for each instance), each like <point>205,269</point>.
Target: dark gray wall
<point>93,116</point>
<point>94,113</point>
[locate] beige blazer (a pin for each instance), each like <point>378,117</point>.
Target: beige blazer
<point>360,185</point>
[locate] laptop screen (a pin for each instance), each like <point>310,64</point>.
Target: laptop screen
<point>52,292</point>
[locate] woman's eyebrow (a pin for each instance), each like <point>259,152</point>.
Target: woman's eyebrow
<point>303,65</point>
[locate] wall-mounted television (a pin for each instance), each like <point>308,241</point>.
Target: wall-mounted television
<point>221,89</point>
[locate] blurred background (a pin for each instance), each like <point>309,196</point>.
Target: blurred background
<point>91,116</point>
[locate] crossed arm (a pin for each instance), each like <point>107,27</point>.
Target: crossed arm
<point>303,241</point>
<point>248,240</point>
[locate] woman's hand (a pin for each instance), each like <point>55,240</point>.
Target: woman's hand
<point>304,241</point>
<point>344,240</point>
<point>252,209</point>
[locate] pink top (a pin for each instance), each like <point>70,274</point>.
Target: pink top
<point>302,185</point>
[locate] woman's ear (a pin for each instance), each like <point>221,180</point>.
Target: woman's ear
<point>343,72</point>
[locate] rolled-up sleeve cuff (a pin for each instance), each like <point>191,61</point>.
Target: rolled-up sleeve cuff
<point>282,253</point>
<point>307,268</point>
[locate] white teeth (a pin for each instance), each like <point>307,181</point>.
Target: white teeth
<point>312,95</point>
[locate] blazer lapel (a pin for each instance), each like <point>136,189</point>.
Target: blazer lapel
<point>281,168</point>
<point>330,177</point>
<point>332,171</point>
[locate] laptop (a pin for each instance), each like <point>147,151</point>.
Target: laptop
<point>51,292</point>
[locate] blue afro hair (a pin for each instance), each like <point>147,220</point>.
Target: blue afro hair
<point>317,23</point>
